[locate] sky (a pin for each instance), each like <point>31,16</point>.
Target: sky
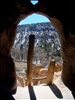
<point>34,18</point>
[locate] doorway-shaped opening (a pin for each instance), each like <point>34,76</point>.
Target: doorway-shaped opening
<point>47,44</point>
<point>34,1</point>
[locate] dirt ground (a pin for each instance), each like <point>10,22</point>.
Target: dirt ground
<point>21,65</point>
<point>20,68</point>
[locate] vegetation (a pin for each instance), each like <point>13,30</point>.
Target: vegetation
<point>47,45</point>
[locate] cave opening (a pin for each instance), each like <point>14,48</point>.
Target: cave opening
<point>47,44</point>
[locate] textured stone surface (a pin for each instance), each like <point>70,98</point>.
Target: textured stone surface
<point>62,16</point>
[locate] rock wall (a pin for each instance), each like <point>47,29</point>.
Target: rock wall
<point>12,12</point>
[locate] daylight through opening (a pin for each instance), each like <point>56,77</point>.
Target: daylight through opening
<point>47,45</point>
<point>34,1</point>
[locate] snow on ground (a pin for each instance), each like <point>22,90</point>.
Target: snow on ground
<point>44,92</point>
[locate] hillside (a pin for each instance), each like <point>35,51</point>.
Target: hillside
<point>40,30</point>
<point>46,42</point>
